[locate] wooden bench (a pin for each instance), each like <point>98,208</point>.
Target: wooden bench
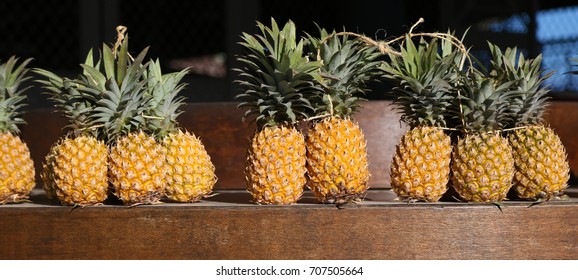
<point>229,226</point>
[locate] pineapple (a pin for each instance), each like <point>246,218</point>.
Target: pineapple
<point>191,174</point>
<point>337,164</point>
<point>275,169</point>
<point>542,169</point>
<point>16,165</point>
<point>137,169</point>
<point>277,79</point>
<point>422,79</point>
<point>482,161</point>
<point>75,169</point>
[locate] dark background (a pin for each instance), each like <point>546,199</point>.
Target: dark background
<point>204,34</point>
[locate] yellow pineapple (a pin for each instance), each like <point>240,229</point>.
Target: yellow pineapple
<point>542,169</point>
<point>420,167</point>
<point>275,169</point>
<point>137,170</point>
<point>75,169</point>
<point>422,78</point>
<point>277,79</point>
<point>191,174</point>
<point>16,165</point>
<point>482,161</point>
<point>337,164</point>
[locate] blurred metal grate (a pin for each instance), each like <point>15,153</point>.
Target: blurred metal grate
<point>557,33</point>
<point>46,30</point>
<point>175,29</point>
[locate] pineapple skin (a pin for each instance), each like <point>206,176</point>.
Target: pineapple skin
<point>137,169</point>
<point>420,168</point>
<point>47,176</point>
<point>482,167</point>
<point>542,169</point>
<point>17,174</point>
<point>191,174</point>
<point>276,166</point>
<point>337,164</point>
<point>75,171</point>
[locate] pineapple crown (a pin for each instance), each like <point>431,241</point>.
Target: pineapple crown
<point>527,107</point>
<point>482,105</point>
<point>347,66</point>
<point>106,99</point>
<point>11,95</point>
<point>70,102</point>
<point>117,94</point>
<point>163,99</point>
<point>277,79</point>
<point>118,86</point>
<point>423,79</point>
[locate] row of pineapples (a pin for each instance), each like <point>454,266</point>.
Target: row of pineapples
<point>287,82</point>
<point>494,115</point>
<point>480,131</point>
<point>122,133</point>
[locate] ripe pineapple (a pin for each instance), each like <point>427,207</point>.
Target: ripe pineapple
<point>16,165</point>
<point>191,174</point>
<point>337,164</point>
<point>422,79</point>
<point>277,79</point>
<point>482,161</point>
<point>542,169</point>
<point>275,169</point>
<point>137,169</point>
<point>75,169</point>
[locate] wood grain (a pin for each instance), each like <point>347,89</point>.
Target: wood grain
<point>382,229</point>
<point>562,116</point>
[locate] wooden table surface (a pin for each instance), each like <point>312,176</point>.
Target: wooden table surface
<point>229,226</point>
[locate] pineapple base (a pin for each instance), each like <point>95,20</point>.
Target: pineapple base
<point>337,163</point>
<point>420,168</point>
<point>13,198</point>
<point>542,169</point>
<point>275,169</point>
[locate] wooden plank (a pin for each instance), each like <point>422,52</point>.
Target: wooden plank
<point>562,116</point>
<point>378,229</point>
